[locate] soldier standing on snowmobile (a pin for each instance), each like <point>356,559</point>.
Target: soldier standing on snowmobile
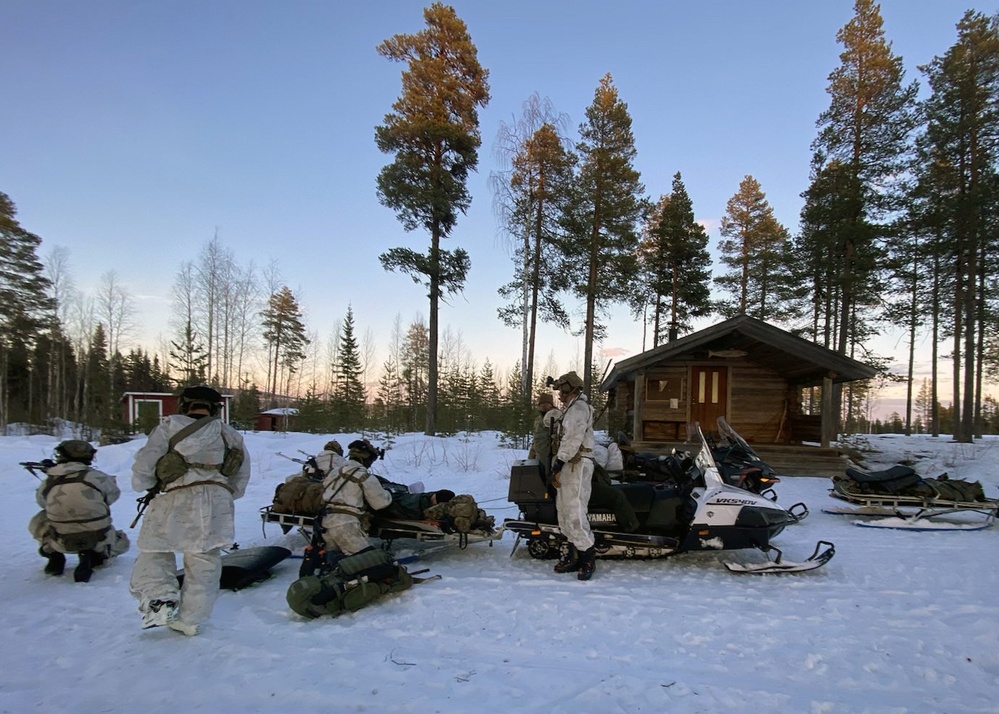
<point>541,443</point>
<point>76,512</point>
<point>346,491</point>
<point>572,475</point>
<point>197,466</point>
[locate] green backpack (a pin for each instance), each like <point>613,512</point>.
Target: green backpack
<point>355,582</point>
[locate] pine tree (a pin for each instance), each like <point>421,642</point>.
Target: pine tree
<point>284,335</point>
<point>602,232</point>
<point>530,198</point>
<point>674,271</point>
<point>863,145</point>
<point>433,131</point>
<point>756,249</point>
<point>961,140</point>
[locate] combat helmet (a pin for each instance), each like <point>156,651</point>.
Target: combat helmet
<point>75,450</point>
<point>200,396</point>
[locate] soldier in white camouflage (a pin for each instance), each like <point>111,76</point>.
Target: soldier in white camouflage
<point>76,512</point>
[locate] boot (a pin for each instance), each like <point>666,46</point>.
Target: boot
<point>569,560</point>
<point>587,564</point>
<point>85,568</point>
<point>56,564</point>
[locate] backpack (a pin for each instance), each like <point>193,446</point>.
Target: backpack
<point>354,582</point>
<point>299,495</point>
<point>74,541</point>
<point>460,514</point>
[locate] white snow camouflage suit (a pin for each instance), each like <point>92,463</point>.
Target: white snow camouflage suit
<point>193,515</point>
<point>575,449</point>
<point>345,492</point>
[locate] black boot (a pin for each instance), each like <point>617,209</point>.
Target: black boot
<point>56,564</point>
<point>85,568</point>
<point>587,563</point>
<point>569,560</point>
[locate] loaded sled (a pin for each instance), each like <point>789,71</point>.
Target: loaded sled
<point>696,511</point>
<point>387,530</point>
<point>898,497</point>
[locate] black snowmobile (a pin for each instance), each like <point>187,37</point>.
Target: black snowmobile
<point>738,464</point>
<point>697,511</point>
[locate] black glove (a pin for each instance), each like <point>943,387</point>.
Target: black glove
<point>557,466</point>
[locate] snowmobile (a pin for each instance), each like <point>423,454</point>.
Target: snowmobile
<point>738,464</point>
<point>696,512</point>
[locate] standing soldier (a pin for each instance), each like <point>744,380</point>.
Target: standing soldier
<point>572,475</point>
<point>544,426</point>
<point>76,512</point>
<point>196,466</point>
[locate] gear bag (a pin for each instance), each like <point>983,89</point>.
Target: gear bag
<point>460,514</point>
<point>354,582</point>
<point>299,495</point>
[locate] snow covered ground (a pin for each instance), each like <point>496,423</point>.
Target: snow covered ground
<point>898,622</point>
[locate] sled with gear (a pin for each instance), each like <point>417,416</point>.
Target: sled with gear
<point>459,521</point>
<point>243,567</point>
<point>694,511</point>
<point>899,498</point>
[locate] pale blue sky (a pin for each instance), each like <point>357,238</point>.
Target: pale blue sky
<point>131,131</point>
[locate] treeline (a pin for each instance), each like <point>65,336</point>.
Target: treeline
<point>898,227</point>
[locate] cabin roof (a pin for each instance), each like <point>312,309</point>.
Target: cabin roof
<point>799,361</point>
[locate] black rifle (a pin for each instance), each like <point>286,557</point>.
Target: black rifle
<point>33,466</point>
<point>143,502</point>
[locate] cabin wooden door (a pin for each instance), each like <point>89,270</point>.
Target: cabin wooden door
<point>708,396</point>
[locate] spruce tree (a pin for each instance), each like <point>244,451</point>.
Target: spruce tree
<point>349,394</point>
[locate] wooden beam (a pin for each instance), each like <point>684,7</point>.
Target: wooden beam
<point>829,420</point>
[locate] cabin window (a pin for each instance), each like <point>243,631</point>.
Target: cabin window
<point>663,390</point>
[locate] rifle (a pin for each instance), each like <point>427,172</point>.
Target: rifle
<point>142,502</point>
<point>44,465</point>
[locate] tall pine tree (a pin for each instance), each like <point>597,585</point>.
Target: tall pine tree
<point>433,132</point>
<point>601,239</point>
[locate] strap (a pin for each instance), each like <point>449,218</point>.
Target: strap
<point>76,477</point>
<point>226,486</point>
<point>189,429</point>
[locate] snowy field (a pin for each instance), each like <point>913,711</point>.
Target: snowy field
<point>898,622</point>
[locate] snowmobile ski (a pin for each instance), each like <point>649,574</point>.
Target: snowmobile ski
<point>819,557</point>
